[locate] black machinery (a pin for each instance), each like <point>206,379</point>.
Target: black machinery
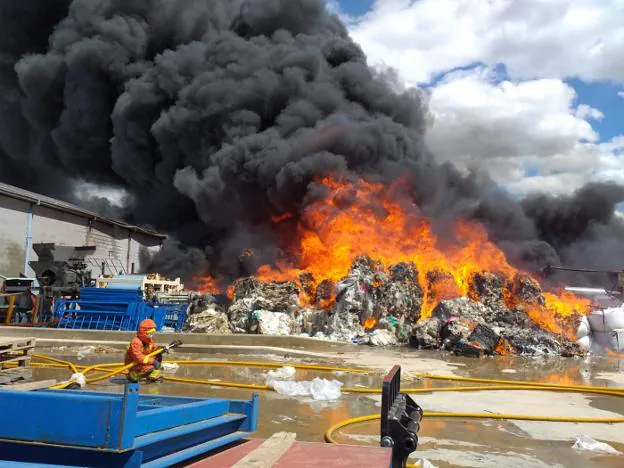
<point>61,267</point>
<point>400,419</point>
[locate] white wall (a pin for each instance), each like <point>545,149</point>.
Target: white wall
<point>118,247</point>
<point>13,221</point>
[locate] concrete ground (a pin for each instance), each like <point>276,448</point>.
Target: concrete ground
<point>485,443</point>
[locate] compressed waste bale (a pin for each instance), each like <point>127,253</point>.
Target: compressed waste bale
<point>488,289</point>
<point>354,292</point>
<point>426,334</point>
<point>348,328</point>
<point>485,336</point>
<point>266,322</point>
<point>400,295</point>
<point>306,280</point>
<point>314,321</point>
<point>251,295</point>
<point>382,337</point>
<point>463,307</point>
<point>456,329</point>
<point>209,320</point>
<point>325,293</point>
<point>525,289</point>
<point>468,348</point>
<point>533,342</point>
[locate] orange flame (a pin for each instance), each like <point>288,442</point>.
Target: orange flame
<point>370,323</point>
<point>207,285</point>
<point>383,222</point>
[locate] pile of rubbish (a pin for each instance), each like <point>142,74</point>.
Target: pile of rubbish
<point>382,306</point>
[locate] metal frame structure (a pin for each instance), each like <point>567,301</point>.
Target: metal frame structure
<point>71,428</point>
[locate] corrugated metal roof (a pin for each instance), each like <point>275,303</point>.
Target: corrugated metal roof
<point>21,194</point>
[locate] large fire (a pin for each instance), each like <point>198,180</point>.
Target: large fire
<point>369,218</point>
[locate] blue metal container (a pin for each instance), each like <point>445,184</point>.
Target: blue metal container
<point>70,428</point>
<point>116,309</point>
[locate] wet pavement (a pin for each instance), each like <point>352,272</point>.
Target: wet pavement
<point>444,442</point>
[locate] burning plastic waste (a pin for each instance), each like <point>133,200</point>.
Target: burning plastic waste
<point>363,259</point>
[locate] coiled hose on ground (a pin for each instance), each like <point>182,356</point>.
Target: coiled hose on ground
<point>108,370</point>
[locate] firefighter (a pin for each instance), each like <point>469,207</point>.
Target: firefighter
<point>141,345</point>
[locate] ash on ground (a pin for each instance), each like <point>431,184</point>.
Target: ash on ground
<point>382,306</point>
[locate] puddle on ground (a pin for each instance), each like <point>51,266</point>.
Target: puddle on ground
<point>444,442</point>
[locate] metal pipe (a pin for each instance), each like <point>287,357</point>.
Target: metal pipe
<point>128,251</point>
<point>583,270</point>
<point>28,238</point>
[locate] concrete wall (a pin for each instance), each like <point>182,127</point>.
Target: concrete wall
<point>13,219</point>
<point>116,246</point>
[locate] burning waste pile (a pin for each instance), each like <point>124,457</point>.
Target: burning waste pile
<point>258,125</point>
<point>387,306</point>
<point>372,271</point>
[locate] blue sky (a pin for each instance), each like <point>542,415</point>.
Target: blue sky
<point>601,95</point>
<point>355,7</point>
<point>529,91</point>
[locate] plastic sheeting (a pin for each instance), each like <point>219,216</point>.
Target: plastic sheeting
<point>282,381</point>
<point>587,444</point>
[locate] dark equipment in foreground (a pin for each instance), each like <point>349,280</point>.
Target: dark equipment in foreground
<point>400,419</point>
<point>74,428</point>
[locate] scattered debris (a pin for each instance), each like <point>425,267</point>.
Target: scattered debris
<point>424,463</point>
<point>587,444</point>
<point>85,351</point>
<point>170,367</point>
<point>283,373</point>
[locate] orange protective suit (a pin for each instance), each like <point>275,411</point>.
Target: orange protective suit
<point>140,346</point>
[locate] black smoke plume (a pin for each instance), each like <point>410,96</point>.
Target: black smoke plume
<point>214,115</point>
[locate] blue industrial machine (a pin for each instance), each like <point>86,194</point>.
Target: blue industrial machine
<point>71,428</point>
<point>116,309</point>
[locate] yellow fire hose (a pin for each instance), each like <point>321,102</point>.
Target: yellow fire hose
<point>108,370</point>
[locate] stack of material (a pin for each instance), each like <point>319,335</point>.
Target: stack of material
<point>602,329</point>
<point>15,354</point>
<point>381,306</point>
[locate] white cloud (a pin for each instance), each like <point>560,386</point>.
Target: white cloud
<point>529,123</point>
<point>511,127</point>
<point>621,94</point>
<point>553,38</point>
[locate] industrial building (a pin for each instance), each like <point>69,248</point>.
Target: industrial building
<point>27,218</point>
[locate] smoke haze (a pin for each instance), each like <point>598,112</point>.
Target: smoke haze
<point>214,115</point>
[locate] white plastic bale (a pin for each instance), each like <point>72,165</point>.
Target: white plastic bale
<point>606,320</point>
<point>585,342</point>
<point>618,339</point>
<point>583,329</point>
<point>613,340</point>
